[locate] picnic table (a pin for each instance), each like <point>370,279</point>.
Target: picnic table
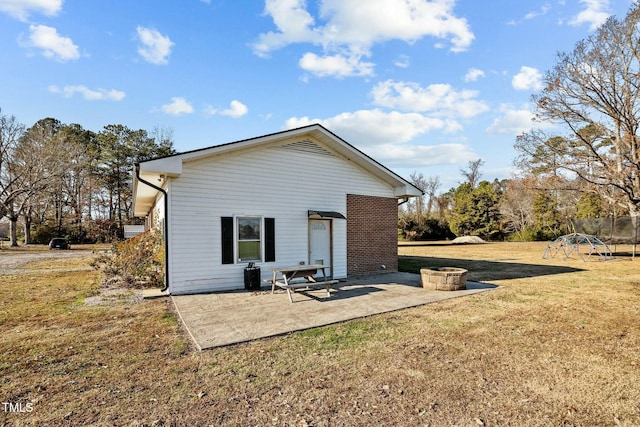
<point>300,277</point>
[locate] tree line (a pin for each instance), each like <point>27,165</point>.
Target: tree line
<point>61,180</point>
<point>529,207</point>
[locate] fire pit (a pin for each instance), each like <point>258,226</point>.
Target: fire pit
<point>444,278</point>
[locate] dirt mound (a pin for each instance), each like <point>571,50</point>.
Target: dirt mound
<point>467,240</point>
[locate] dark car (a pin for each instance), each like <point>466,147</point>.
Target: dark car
<point>59,243</point>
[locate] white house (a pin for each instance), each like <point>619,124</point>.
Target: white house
<point>298,196</point>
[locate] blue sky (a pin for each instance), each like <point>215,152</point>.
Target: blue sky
<point>420,85</point>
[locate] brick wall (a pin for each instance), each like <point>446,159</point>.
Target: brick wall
<point>372,234</point>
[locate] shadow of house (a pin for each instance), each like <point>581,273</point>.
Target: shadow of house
<point>484,271</point>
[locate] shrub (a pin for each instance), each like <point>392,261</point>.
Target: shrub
<point>101,231</point>
<point>429,229</point>
<point>536,233</point>
<point>135,263</point>
<point>43,233</point>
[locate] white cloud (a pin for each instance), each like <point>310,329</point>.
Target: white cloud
<point>439,99</point>
<point>405,155</point>
<point>155,48</point>
<point>473,75</point>
<point>543,11</point>
<point>386,137</point>
<point>594,14</point>
<point>527,79</point>
<point>88,94</point>
<point>532,15</point>
<point>359,23</point>
<point>512,122</point>
<point>177,107</point>
<point>336,65</point>
<point>373,127</point>
<point>351,27</point>
<point>293,22</point>
<point>209,110</point>
<point>237,109</point>
<point>391,135</point>
<point>51,44</point>
<point>403,61</point>
<point>21,9</point>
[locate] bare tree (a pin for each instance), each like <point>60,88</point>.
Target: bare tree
<point>10,132</point>
<point>419,181</point>
<point>431,188</point>
<point>472,173</point>
<point>444,204</point>
<point>592,96</point>
<point>77,182</point>
<point>35,164</point>
<point>516,205</point>
<point>163,137</point>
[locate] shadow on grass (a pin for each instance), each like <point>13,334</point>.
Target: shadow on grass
<point>625,254</point>
<point>483,270</point>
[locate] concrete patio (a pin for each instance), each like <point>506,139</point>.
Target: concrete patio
<point>225,318</point>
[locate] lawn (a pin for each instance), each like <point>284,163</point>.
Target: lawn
<point>557,344</point>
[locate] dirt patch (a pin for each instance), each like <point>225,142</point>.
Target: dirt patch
<point>112,296</point>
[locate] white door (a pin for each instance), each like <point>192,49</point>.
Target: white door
<point>320,243</point>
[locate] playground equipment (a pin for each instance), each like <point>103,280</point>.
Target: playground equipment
<point>584,245</point>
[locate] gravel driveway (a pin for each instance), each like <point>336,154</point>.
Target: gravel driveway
<point>10,262</point>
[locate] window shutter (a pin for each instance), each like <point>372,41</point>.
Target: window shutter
<point>227,239</point>
<point>270,239</point>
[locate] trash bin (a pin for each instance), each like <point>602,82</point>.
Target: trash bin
<point>252,277</point>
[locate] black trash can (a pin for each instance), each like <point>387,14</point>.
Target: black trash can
<point>252,277</point>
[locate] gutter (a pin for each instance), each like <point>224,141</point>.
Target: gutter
<point>166,225</point>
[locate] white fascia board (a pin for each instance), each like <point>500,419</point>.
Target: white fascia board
<point>168,166</point>
<point>407,191</point>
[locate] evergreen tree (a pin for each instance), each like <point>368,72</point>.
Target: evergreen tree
<point>589,206</point>
<point>476,211</point>
<point>547,216</point>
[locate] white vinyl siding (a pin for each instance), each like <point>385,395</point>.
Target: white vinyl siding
<point>275,182</point>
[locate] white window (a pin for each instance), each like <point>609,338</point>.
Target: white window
<point>249,238</point>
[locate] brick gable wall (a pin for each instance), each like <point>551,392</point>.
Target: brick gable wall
<point>372,234</point>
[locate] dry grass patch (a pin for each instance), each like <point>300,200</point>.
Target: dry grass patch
<point>69,360</point>
<point>5,249</point>
<point>557,344</point>
<point>59,264</point>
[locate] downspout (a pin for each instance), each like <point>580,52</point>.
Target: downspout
<point>405,200</point>
<point>166,225</point>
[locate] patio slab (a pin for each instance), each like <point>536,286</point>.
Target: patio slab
<point>225,318</point>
